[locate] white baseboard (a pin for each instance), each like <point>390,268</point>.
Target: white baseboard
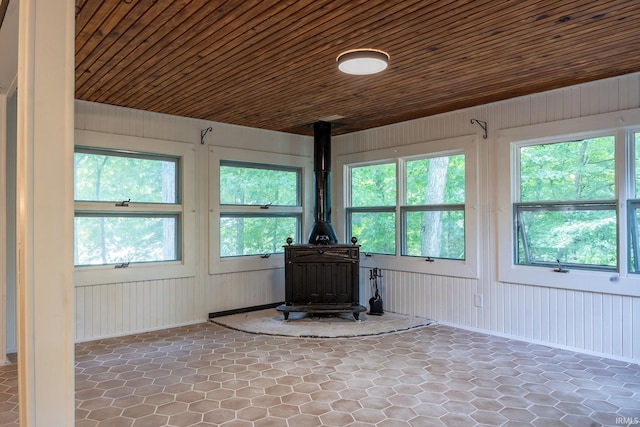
<point>139,331</point>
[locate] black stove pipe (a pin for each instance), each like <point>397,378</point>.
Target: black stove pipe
<point>322,232</point>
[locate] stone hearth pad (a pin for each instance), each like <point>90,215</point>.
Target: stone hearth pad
<point>314,325</point>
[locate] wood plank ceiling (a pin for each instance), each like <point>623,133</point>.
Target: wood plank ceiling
<point>272,64</point>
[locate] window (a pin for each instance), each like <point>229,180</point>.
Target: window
<point>561,211</point>
<point>566,203</point>
<point>131,211</point>
<point>372,214</point>
<point>433,216</point>
<point>257,201</point>
<point>133,214</point>
<point>634,205</point>
<point>260,206</point>
<point>416,205</point>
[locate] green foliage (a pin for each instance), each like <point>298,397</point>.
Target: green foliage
<point>255,235</point>
<point>450,225</point>
<point>118,239</point>
<point>579,237</point>
<point>420,187</point>
<point>634,222</point>
<point>376,231</point>
<point>429,181</point>
<point>573,171</point>
<point>258,186</point>
<point>102,238</point>
<point>636,137</point>
<point>373,185</point>
<point>114,178</point>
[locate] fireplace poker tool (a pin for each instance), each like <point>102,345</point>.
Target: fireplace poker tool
<point>375,302</point>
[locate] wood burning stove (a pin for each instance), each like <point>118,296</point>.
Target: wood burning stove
<point>323,275</point>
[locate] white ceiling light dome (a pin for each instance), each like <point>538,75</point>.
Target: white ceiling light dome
<point>362,61</point>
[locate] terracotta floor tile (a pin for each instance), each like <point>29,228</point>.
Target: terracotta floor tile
<point>184,419</point>
<point>206,375</point>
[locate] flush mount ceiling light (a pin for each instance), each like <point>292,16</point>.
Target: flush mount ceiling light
<point>362,61</point>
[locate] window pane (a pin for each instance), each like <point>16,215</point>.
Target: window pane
<point>634,237</point>
<point>434,181</point>
<point>240,185</point>
<point>436,234</point>
<point>572,170</point>
<point>637,162</point>
<point>122,239</point>
<point>376,231</point>
<point>255,235</point>
<point>586,237</point>
<point>114,177</point>
<point>373,185</point>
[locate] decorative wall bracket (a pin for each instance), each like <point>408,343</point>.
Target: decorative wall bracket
<point>203,133</point>
<point>482,124</point>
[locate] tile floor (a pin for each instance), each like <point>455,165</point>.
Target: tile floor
<point>207,375</point>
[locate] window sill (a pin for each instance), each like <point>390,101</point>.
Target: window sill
<point>102,275</point>
<point>439,267</point>
<point>247,263</point>
<point>578,280</point>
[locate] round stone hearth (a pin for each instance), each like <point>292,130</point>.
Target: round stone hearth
<point>319,325</point>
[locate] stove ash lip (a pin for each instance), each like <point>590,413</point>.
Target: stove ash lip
<point>322,232</point>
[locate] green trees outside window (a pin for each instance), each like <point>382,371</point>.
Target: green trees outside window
<point>430,204</point>
<point>127,207</point>
<point>375,230</point>
<point>252,235</point>
<point>634,209</point>
<point>372,216</point>
<point>260,207</point>
<point>110,239</point>
<point>566,209</point>
<point>433,218</point>
<point>258,185</point>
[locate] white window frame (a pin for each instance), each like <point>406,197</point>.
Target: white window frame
<point>616,124</point>
<point>220,265</point>
<point>405,208</point>
<point>185,266</point>
<point>632,200</point>
<point>589,204</point>
<point>467,145</point>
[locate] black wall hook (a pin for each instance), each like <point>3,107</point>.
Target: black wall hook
<point>203,133</point>
<point>482,124</point>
